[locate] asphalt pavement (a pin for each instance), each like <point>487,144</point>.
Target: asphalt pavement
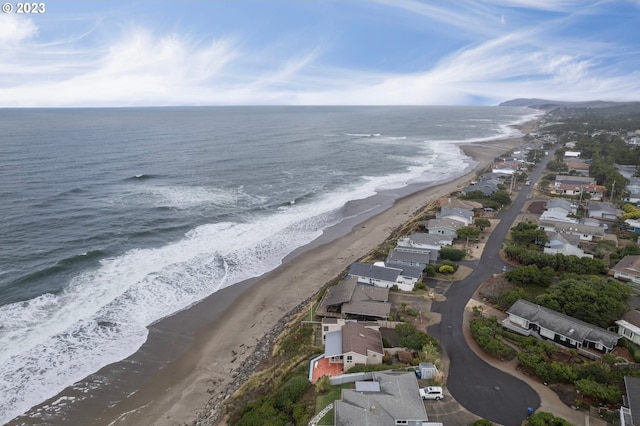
<point>479,387</point>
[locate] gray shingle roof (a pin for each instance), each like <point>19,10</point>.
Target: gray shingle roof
<point>427,239</point>
<point>398,399</point>
<point>630,264</point>
<point>596,231</point>
<point>562,324</point>
<point>376,272</point>
<point>632,384</point>
<point>400,256</point>
<point>447,223</point>
<point>369,309</point>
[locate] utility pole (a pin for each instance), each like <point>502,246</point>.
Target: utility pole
<point>613,188</point>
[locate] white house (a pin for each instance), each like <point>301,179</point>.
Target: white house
<point>445,227</point>
<point>381,275</point>
<point>629,326</point>
<point>354,344</point>
<point>585,232</point>
<point>463,215</point>
<point>423,241</point>
<point>627,269</point>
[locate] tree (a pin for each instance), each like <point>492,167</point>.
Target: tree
<point>530,275</point>
<point>501,197</point>
<point>450,253</point>
<point>598,301</point>
<point>528,233</point>
<point>482,223</point>
<point>468,232</point>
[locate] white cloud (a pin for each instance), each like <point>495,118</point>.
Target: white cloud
<point>15,29</point>
<point>137,66</point>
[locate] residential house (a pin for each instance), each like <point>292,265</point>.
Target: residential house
<point>354,344</point>
<point>574,186</point>
<point>633,188</point>
<point>506,168</point>
<point>400,257</point>
<point>606,211</point>
<point>426,242</point>
<point>627,269</point>
<point>381,275</point>
<point>461,215</point>
<point>632,225</point>
<point>630,410</point>
<point>486,187</point>
<point>572,154</point>
<point>393,398</point>
<point>366,273</point>
<point>557,214</point>
<point>575,165</point>
<point>575,180</point>
<point>629,326</point>
<point>567,189</point>
<point>585,232</point>
<point>557,204</point>
<point>530,319</point>
<point>488,184</point>
<point>596,192</point>
<point>560,244</point>
<point>446,227</point>
<point>349,299</point>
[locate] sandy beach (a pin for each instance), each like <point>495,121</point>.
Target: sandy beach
<point>232,322</point>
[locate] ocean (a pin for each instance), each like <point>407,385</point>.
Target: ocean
<point>112,219</point>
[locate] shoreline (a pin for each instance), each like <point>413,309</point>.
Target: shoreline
<point>234,328</point>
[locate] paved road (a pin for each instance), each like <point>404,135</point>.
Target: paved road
<point>476,385</point>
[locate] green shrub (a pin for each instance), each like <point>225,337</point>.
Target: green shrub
<point>482,422</point>
<point>446,269</point>
<point>487,333</point>
<point>291,392</point>
<point>606,393</point>
<point>323,384</point>
<point>546,419</point>
<point>419,286</point>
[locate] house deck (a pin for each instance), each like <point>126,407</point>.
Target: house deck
<point>323,367</point>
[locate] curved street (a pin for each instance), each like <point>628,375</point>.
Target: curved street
<point>477,386</point>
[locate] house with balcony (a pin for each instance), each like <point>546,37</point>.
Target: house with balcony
<point>351,300</point>
<point>354,344</point>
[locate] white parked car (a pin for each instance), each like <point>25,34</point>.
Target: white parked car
<point>432,392</point>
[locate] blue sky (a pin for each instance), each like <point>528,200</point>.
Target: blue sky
<point>295,52</point>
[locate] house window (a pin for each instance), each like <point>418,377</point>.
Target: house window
<point>627,333</point>
<point>349,358</point>
<point>402,422</point>
<point>325,328</point>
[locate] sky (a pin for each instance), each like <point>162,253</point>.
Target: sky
<point>317,52</point>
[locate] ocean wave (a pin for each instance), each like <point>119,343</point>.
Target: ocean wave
<point>142,177</point>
